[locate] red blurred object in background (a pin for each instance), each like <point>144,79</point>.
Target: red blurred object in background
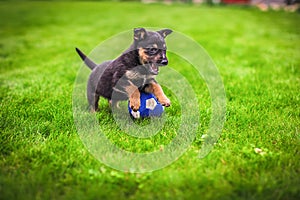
<point>236,1</point>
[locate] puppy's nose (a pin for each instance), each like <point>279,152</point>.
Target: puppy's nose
<point>164,62</point>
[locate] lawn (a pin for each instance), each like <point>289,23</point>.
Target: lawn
<point>257,55</point>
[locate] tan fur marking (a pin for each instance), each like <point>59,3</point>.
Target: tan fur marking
<point>132,75</point>
<point>157,57</point>
<point>143,56</point>
<point>155,46</point>
<point>134,96</point>
<point>156,89</point>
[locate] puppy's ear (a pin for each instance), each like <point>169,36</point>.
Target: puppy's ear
<point>165,32</point>
<point>140,34</point>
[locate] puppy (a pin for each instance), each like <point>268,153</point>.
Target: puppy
<point>132,72</point>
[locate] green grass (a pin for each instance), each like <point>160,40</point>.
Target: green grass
<point>257,54</point>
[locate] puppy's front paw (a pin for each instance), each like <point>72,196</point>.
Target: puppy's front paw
<point>134,104</point>
<point>164,101</point>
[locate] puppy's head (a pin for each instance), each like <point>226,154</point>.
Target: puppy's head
<point>151,48</point>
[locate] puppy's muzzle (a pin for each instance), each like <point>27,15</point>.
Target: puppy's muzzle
<point>164,62</point>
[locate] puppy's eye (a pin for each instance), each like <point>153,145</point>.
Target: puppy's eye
<point>152,51</point>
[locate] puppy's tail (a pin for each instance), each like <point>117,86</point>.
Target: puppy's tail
<point>86,60</point>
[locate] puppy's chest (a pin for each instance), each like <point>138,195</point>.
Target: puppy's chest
<point>138,78</point>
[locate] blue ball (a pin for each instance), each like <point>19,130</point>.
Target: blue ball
<point>150,107</point>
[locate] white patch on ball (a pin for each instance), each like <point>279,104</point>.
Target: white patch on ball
<point>151,103</point>
<point>135,114</point>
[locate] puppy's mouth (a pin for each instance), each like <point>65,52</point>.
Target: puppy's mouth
<point>154,68</point>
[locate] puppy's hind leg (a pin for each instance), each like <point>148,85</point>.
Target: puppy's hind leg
<point>92,96</point>
<point>95,105</point>
<point>93,100</point>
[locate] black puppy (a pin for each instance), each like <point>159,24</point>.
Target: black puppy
<point>130,73</point>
